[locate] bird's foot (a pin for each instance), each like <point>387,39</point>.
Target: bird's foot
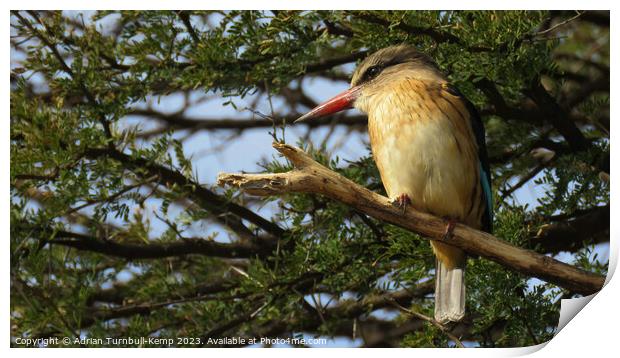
<point>402,201</point>
<point>447,234</point>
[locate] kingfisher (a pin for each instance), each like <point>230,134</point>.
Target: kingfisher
<point>428,142</point>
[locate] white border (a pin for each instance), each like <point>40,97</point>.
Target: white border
<point>591,333</point>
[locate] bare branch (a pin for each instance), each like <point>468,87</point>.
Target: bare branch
<point>311,177</point>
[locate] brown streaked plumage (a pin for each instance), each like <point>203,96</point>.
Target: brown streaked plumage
<point>424,147</point>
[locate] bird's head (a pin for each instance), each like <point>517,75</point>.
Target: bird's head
<point>372,77</point>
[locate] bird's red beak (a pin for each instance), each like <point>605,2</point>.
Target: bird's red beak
<point>339,102</point>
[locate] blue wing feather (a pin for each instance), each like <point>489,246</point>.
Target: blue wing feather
<point>485,181</point>
<point>485,171</point>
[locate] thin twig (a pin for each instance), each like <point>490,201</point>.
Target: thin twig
<point>111,197</point>
<point>526,178</point>
<point>185,17</point>
<point>429,320</point>
<point>559,24</point>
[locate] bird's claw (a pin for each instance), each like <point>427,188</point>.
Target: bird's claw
<point>402,201</point>
<point>447,234</point>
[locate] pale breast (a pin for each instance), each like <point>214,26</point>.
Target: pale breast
<point>423,146</point>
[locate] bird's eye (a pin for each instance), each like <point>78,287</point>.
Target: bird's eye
<point>372,72</point>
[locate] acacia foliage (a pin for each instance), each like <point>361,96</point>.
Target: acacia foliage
<point>115,233</point>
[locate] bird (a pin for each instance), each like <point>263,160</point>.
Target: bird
<point>428,142</point>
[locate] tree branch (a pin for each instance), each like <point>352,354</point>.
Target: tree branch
<point>573,233</point>
<point>311,177</point>
<point>328,64</point>
<point>133,251</point>
<point>185,17</point>
<point>179,121</point>
<point>599,18</point>
<point>557,116</point>
<point>218,205</point>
